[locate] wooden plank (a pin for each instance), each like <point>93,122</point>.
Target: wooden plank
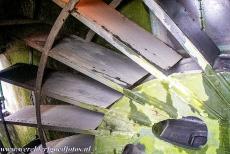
<point>75,88</point>
<point>100,63</point>
<point>83,142</point>
<point>22,75</point>
<point>97,62</point>
<point>125,35</point>
<point>68,87</point>
<point>91,33</point>
<point>52,117</point>
<point>164,35</point>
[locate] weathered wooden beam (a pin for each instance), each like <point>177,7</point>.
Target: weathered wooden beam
<point>91,33</point>
<point>128,37</point>
<point>122,34</point>
<point>220,85</point>
<point>53,117</point>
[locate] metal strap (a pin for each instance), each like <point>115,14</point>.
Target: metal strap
<point>48,45</point>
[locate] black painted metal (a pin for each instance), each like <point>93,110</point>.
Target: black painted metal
<point>216,16</point>
<point>187,132</point>
<point>191,28</point>
<point>20,74</point>
<point>134,149</point>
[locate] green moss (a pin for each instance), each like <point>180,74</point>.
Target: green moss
<point>24,135</point>
<point>110,144</point>
<point>136,11</point>
<point>18,53</point>
<point>218,131</point>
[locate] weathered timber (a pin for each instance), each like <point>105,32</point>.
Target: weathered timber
<point>75,88</point>
<point>124,35</point>
<point>91,33</point>
<point>138,44</point>
<point>57,117</point>
<point>72,88</point>
<point>215,17</point>
<point>104,65</point>
<point>97,62</point>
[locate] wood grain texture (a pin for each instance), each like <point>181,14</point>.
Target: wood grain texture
<point>100,63</point>
<point>97,61</point>
<point>125,35</point>
<point>63,116</point>
<point>75,88</point>
<point>91,33</point>
<point>65,86</point>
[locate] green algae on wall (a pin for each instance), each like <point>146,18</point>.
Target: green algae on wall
<point>218,131</point>
<point>136,11</point>
<point>16,97</point>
